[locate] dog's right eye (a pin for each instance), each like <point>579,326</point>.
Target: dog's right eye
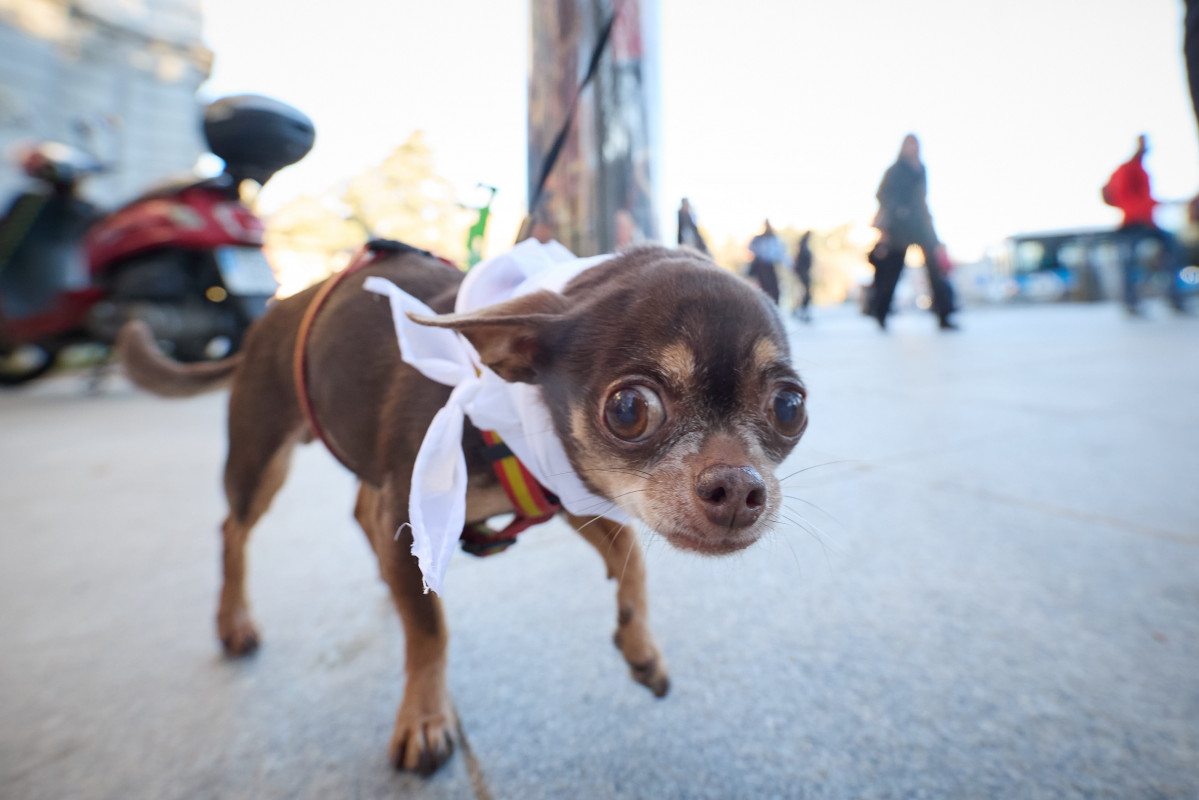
<point>787,411</point>
<point>633,413</point>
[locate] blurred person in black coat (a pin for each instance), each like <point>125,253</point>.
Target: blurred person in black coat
<point>903,219</point>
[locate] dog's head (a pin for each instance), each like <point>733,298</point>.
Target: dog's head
<point>670,385</point>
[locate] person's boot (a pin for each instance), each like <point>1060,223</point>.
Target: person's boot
<point>946,324</point>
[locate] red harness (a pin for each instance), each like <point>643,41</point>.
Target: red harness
<point>533,504</point>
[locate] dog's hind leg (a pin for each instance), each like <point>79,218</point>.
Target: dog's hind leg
<point>260,448</point>
<point>426,724</point>
<point>622,554</point>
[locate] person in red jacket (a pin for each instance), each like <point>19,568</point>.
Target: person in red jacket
<point>1129,190</point>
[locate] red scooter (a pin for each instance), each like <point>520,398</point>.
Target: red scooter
<point>186,257</point>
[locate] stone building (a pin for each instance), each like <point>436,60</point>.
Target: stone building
<point>128,69</point>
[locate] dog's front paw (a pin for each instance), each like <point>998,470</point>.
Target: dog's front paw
<point>645,662</point>
<point>652,675</point>
<point>424,739</point>
<point>237,633</point>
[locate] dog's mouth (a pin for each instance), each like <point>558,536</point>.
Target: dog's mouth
<point>710,544</point>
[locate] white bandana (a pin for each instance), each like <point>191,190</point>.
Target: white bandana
<point>516,411</point>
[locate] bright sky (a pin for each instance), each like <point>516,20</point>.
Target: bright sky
<point>775,108</point>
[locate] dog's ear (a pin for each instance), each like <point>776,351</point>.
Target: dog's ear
<point>507,335</point>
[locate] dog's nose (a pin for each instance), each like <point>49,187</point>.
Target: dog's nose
<point>732,497</point>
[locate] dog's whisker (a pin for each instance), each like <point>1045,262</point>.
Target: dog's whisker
<point>633,542</point>
<point>824,546</point>
<point>612,502</point>
<point>815,532</point>
<point>795,518</point>
<point>627,471</point>
<point>596,518</point>
<point>594,507</point>
<point>810,525</point>
<point>817,466</point>
<point>650,537</point>
<point>807,502</point>
<point>794,555</point>
<point>609,540</point>
<point>792,520</point>
<point>787,498</point>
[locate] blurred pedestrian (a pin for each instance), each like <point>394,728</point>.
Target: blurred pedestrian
<point>768,252</point>
<point>803,271</point>
<point>1129,190</point>
<point>903,219</point>
<point>689,234</point>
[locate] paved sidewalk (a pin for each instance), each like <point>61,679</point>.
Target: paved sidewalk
<point>988,587</point>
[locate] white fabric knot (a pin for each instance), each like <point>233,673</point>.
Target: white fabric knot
<point>516,411</point>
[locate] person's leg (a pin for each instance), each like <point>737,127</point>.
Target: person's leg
<point>805,282</point>
<point>942,293</point>
<point>757,273</point>
<point>769,279</point>
<point>886,275</point>
<point>1171,260</point>
<point>1129,237</point>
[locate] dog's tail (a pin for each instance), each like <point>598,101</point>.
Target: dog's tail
<point>148,367</point>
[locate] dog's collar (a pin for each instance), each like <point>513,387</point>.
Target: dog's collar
<point>532,502</point>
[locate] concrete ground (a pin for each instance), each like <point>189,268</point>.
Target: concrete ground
<point>988,586</point>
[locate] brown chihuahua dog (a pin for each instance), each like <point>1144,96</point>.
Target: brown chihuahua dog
<point>669,385</point>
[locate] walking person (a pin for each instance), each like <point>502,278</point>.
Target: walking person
<point>768,252</point>
<point>903,219</point>
<point>689,234</point>
<point>803,271</point>
<point>1129,190</point>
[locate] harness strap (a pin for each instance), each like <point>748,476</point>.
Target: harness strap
<point>372,252</point>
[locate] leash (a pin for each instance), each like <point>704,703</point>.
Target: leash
<point>551,157</point>
<point>532,502</point>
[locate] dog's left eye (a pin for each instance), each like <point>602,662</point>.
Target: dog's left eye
<point>787,411</point>
<point>633,413</point>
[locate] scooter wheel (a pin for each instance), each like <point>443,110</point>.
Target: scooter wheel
<point>24,363</point>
